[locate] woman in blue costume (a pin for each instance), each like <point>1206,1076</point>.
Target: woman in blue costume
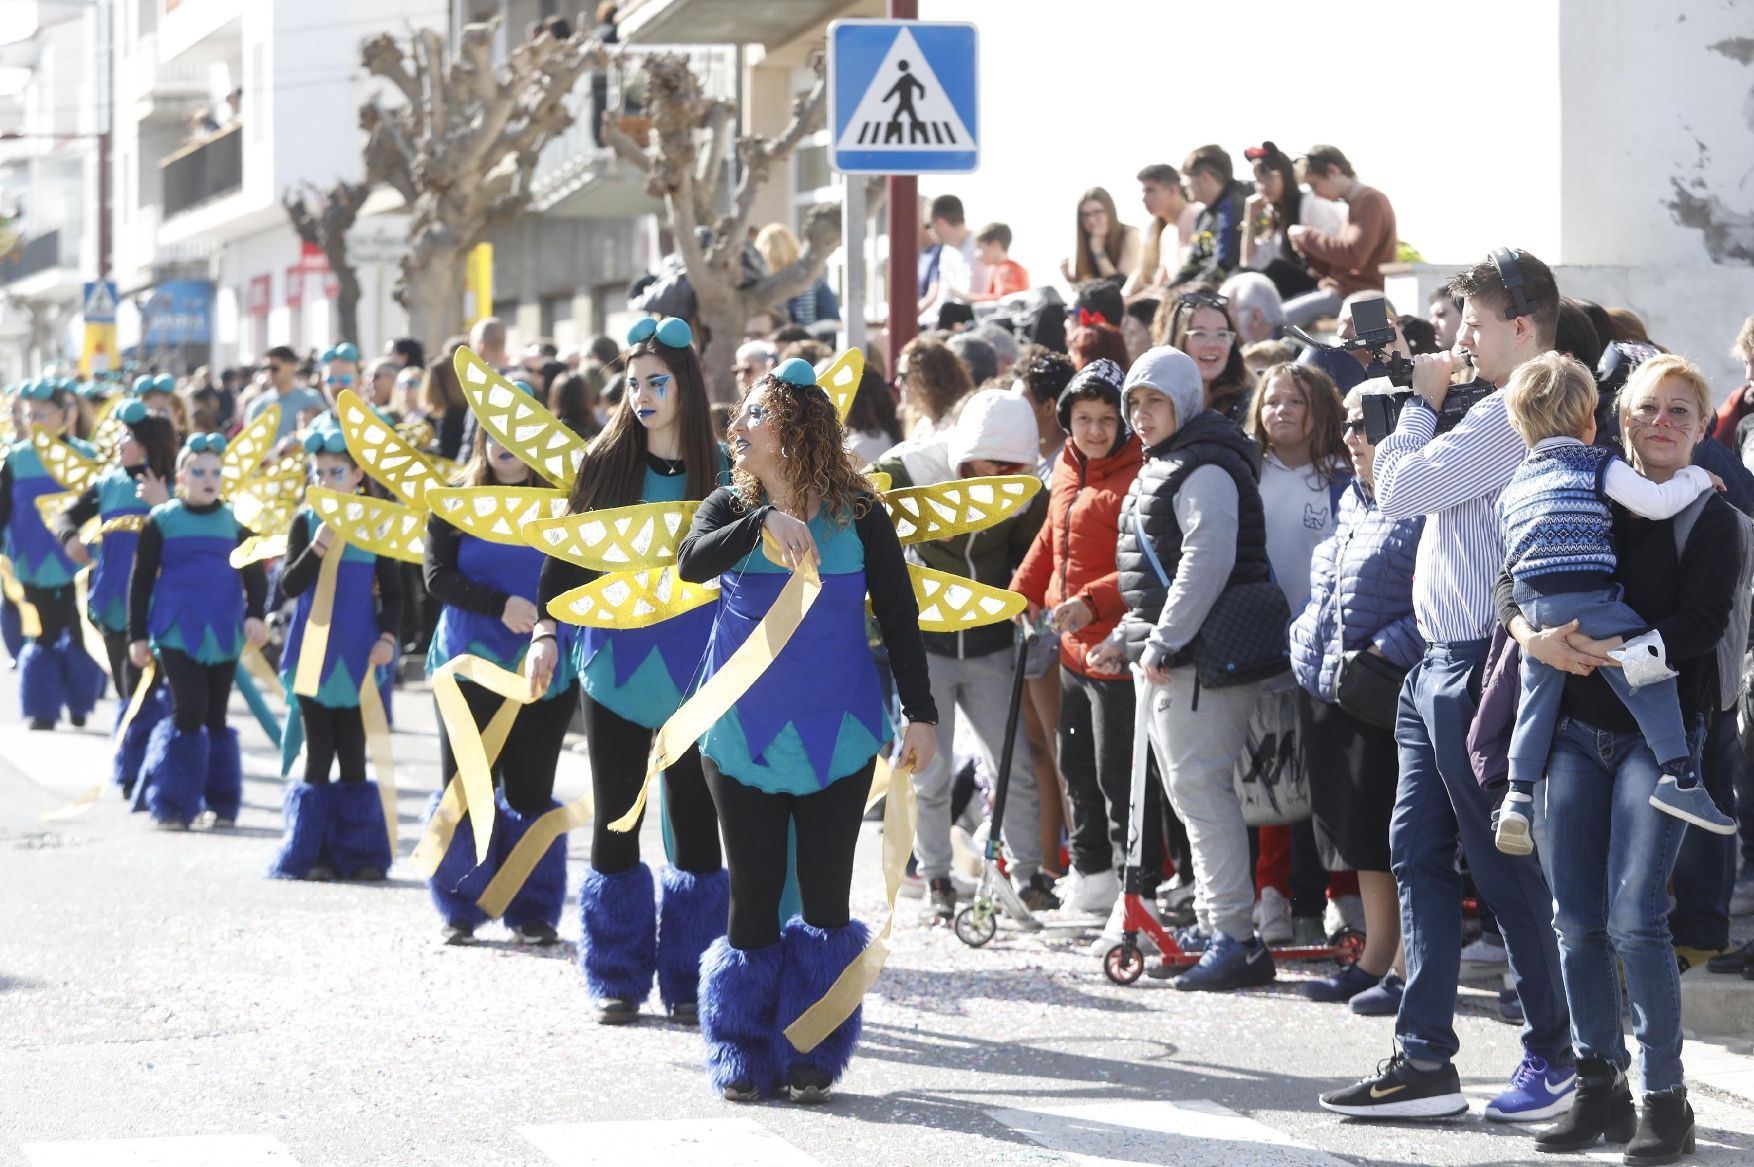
<point>489,595</point>
<point>797,750</point>
<point>336,829</point>
<point>54,670</point>
<point>146,465</point>
<point>192,609</point>
<point>657,447</point>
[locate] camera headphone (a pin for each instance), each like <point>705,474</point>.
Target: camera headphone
<point>1511,276</point>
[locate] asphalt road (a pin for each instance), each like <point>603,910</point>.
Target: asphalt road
<point>161,1002</point>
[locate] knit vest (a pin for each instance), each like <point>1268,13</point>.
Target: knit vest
<point>1208,439</point>
<point>1554,513</point>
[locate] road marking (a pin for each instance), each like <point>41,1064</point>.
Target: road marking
<point>695,1142</point>
<point>1133,1134</point>
<point>181,1151</point>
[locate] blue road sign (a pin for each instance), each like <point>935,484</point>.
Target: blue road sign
<point>902,97</point>
<point>100,302</point>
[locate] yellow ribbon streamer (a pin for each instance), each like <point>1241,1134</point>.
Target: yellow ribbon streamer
<point>474,771</point>
<point>448,815</point>
<point>258,667</point>
<point>30,624</point>
<point>377,738</point>
<point>517,866</point>
<point>94,640</point>
<point>826,1015</point>
<point>141,689</point>
<point>309,676</point>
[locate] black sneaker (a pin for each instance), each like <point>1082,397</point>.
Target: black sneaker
<point>1038,894</point>
<point>615,1011</point>
<point>458,935</point>
<point>808,1085</point>
<point>943,897</point>
<point>742,1090</point>
<point>685,1013</point>
<point>1397,1090</point>
<point>368,875</point>
<point>78,720</point>
<point>41,723</point>
<point>535,932</point>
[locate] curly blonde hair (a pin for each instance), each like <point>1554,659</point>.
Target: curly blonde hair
<point>817,460</point>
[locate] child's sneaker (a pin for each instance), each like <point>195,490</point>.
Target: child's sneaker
<point>1038,894</point>
<point>1691,804</point>
<point>1511,825</point>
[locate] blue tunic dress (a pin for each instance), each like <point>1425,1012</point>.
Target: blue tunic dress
<point>198,601</point>
<point>353,630</point>
<point>37,558</point>
<point>514,571</point>
<point>118,495</point>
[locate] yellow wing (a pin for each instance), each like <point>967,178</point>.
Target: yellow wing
<point>257,548</point>
<point>244,453</point>
<point>49,506</point>
<point>372,524</point>
<point>279,480</point>
<point>953,603</point>
<point>621,539</point>
<point>518,422</point>
<point>880,481</point>
<point>495,513</point>
<point>448,469</point>
<point>841,380</point>
<point>417,432</point>
<point>264,517</point>
<point>65,465</point>
<point>956,508</point>
<point>630,599</point>
<point>383,453</point>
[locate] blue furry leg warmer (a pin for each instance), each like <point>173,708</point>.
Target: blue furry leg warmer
<point>691,915</point>
<point>458,881</point>
<point>302,847</point>
<point>739,1004</point>
<point>42,688</point>
<point>543,895</point>
<point>618,918</point>
<point>814,958</point>
<point>225,775</point>
<point>358,838</point>
<point>131,750</point>
<point>174,772</point>
<point>85,681</point>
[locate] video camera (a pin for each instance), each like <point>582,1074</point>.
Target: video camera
<point>1375,332</point>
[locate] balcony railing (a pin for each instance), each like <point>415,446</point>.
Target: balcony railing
<point>36,254</point>
<point>204,171</point>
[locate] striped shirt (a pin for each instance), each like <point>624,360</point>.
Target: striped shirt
<point>1456,479</point>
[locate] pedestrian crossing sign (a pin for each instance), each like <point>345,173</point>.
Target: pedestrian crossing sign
<point>99,303</point>
<point>902,97</point>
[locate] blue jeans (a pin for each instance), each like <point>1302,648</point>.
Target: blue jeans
<point>1438,805</point>
<point>1705,875</point>
<point>1600,614</point>
<point>1610,854</point>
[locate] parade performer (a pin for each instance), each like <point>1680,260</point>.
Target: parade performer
<point>488,589</point>
<point>193,611</point>
<point>54,670</point>
<point>657,448</point>
<point>798,747</point>
<point>120,499</point>
<point>355,597</point>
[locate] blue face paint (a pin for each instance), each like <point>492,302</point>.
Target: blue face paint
<point>660,384</point>
<point>756,413</point>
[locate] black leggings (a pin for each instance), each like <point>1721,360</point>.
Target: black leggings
<point>199,693</point>
<point>332,733</point>
<point>756,829</point>
<point>525,769</point>
<point>619,749</point>
<point>122,670</point>
<point>57,610</point>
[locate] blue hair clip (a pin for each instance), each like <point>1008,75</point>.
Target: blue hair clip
<point>671,331</point>
<point>325,441</point>
<point>205,444</point>
<point>131,412</point>
<point>796,371</point>
<point>164,383</point>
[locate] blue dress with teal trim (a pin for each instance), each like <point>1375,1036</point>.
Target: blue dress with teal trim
<point>817,713</point>
<point>198,601</point>
<point>514,571</point>
<point>353,629</point>
<point>37,558</point>
<point>643,674</point>
<point>118,495</point>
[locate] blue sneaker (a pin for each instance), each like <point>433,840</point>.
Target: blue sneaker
<point>1191,939</point>
<point>1537,1092</point>
<point>1342,986</point>
<point>1691,804</point>
<point>1229,964</point>
<point>1383,1000</point>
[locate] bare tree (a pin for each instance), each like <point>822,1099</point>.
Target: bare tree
<point>462,147</point>
<point>322,219</point>
<point>688,180</point>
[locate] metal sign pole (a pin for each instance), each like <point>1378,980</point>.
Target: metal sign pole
<point>853,219</point>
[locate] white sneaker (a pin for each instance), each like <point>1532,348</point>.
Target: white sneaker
<point>1175,893</point>
<point>1344,912</point>
<point>1272,916</point>
<point>1483,951</point>
<point>1111,931</point>
<point>1095,893</point>
<point>1742,898</point>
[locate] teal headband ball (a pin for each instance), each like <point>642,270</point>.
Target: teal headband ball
<point>796,371</point>
<point>340,352</point>
<point>327,440</point>
<point>671,331</point>
<point>37,391</point>
<point>142,384</point>
<point>205,444</point>
<point>131,412</point>
<point>164,383</point>
<point>523,387</point>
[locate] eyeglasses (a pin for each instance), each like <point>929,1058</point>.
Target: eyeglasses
<point>1201,335</point>
<point>1354,425</point>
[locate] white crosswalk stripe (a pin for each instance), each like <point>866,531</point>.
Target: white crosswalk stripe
<point>1188,1134</point>
<point>177,1151</point>
<point>702,1142</point>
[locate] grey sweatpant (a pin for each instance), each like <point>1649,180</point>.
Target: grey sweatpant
<point>1197,751</point>
<point>978,688</point>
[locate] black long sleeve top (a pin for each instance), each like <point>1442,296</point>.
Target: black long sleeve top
<point>149,554</point>
<point>75,515</point>
<point>1686,597</point>
<point>722,534</point>
<point>5,494</point>
<point>447,584</point>
<point>298,572</point>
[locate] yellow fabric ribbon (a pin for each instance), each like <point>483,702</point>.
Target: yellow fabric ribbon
<point>825,1016</point>
<point>309,676</point>
<point>141,689</point>
<point>30,624</point>
<point>377,738</point>
<point>258,667</point>
<point>513,873</point>
<point>94,640</point>
<point>474,770</point>
<point>448,815</point>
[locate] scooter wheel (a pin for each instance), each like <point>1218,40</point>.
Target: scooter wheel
<point>1124,964</point>
<point>1348,946</point>
<point>973,927</point>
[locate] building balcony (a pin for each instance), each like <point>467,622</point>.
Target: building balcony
<point>727,22</point>
<point>32,256</point>
<point>203,171</point>
<point>200,31</point>
<point>161,90</point>
<point>44,267</point>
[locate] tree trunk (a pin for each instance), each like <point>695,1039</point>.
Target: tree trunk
<point>724,324</point>
<point>346,295</point>
<point>432,291</point>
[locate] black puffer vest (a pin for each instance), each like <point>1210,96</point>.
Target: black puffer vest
<point>1209,439</point>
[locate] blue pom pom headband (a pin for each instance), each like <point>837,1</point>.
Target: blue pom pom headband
<point>37,391</point>
<point>325,441</point>
<point>671,331</point>
<point>796,372</point>
<point>205,444</point>
<point>131,412</point>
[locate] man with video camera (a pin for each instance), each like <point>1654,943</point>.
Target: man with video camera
<point>1510,310</point>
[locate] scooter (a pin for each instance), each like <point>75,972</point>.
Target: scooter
<point>1124,963</point>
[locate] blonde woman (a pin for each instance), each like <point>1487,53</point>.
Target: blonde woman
<point>817,303</point>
